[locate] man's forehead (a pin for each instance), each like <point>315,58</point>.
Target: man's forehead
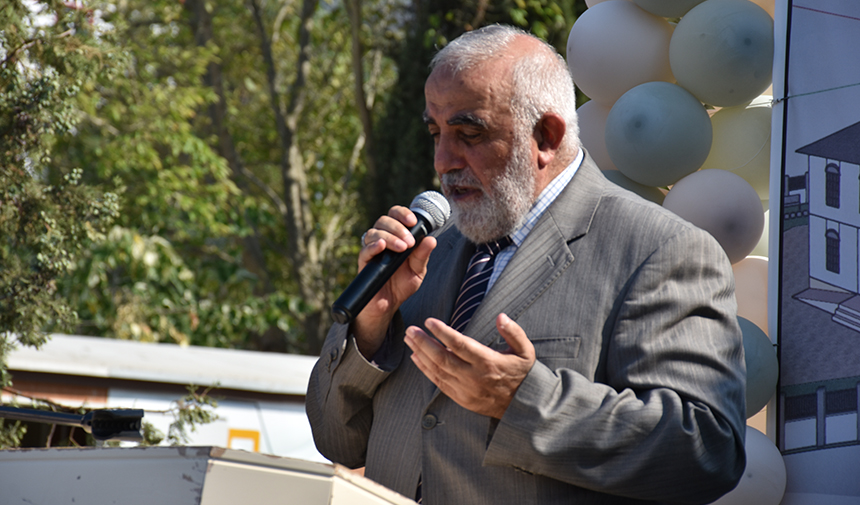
<point>469,97</point>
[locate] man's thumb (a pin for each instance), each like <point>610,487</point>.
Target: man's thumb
<point>515,336</point>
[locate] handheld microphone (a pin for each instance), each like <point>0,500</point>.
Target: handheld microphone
<point>432,210</point>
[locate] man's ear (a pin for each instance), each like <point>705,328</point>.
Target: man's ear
<point>549,132</point>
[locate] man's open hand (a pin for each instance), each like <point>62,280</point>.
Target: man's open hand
<point>473,375</point>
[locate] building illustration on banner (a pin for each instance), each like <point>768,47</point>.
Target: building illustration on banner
<point>821,227</point>
<point>818,403</point>
<point>833,192</point>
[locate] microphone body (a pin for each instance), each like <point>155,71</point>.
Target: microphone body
<point>428,207</point>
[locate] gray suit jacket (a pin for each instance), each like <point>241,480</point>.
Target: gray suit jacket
<point>638,390</point>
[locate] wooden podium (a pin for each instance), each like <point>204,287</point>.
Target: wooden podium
<point>179,476</point>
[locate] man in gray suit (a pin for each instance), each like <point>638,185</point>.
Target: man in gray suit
<point>604,363</point>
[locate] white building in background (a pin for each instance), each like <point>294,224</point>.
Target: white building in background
<point>261,396</point>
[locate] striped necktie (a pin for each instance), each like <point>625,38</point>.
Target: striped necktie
<point>475,282</point>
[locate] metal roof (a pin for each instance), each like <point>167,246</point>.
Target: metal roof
<point>167,363</point>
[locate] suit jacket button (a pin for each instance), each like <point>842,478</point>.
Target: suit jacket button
<point>428,422</point>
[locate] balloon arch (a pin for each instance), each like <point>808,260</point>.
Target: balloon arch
<point>679,113</point>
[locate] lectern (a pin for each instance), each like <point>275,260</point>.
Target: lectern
<point>179,476</point>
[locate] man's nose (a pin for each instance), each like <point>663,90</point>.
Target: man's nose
<point>448,155</point>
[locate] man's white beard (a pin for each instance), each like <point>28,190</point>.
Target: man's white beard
<point>502,210</point>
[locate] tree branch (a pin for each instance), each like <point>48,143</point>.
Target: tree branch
<point>298,219</point>
<point>353,8</point>
<point>202,26</point>
<point>30,43</point>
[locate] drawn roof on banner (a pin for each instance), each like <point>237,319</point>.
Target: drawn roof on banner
<point>843,145</point>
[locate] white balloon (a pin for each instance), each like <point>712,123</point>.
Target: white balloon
<point>591,117</point>
<point>592,3</point>
<point>668,8</point>
<point>722,204</point>
<point>615,46</point>
<point>767,5</point>
<point>763,480</point>
<point>751,290</point>
<point>722,51</point>
<point>742,143</point>
<point>761,249</point>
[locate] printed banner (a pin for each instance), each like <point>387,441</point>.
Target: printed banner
<point>817,123</point>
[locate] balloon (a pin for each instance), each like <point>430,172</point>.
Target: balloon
<point>722,51</point>
<point>648,193</point>
<point>751,290</point>
<point>767,5</point>
<point>615,46</point>
<point>742,143</point>
<point>592,132</point>
<point>667,8</point>
<point>722,204</point>
<point>761,247</point>
<point>592,3</point>
<point>762,367</point>
<point>763,480</point>
<point>658,133</point>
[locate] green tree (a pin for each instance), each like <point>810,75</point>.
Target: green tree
<point>48,54</point>
<point>233,133</point>
<point>172,270</point>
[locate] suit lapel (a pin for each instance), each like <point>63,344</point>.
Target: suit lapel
<point>543,256</point>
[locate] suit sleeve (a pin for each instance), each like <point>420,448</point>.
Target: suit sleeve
<point>339,400</point>
<point>668,423</point>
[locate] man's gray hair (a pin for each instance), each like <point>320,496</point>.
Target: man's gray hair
<point>541,80</point>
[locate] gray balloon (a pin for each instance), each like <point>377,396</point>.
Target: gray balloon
<point>657,133</point>
<point>762,367</point>
<point>646,192</point>
<point>722,52</point>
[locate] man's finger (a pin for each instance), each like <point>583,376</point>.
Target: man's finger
<point>429,355</point>
<point>421,255</point>
<point>393,231</point>
<point>463,347</point>
<point>515,336</point>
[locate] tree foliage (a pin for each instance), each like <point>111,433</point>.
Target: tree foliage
<point>249,144</point>
<point>47,56</point>
<point>233,134</point>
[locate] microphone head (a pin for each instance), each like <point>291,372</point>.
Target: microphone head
<point>433,206</point>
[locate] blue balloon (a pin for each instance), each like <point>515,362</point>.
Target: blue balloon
<point>657,133</point>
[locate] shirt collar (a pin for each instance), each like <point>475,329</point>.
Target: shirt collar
<point>545,199</point>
